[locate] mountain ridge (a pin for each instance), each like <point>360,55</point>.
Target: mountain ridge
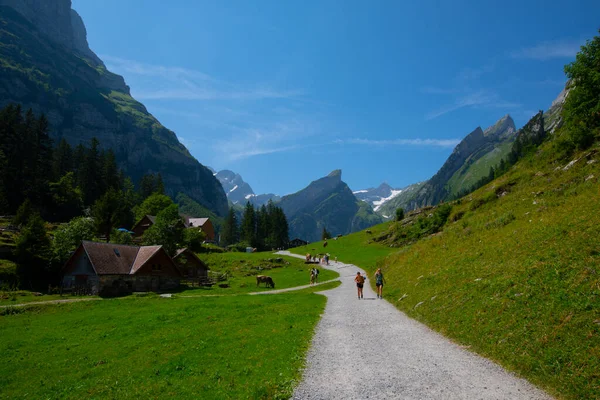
<point>326,203</point>
<point>46,65</point>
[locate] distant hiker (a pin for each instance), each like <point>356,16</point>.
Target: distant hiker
<point>316,272</point>
<point>379,281</point>
<point>312,276</point>
<point>336,259</point>
<point>360,281</point>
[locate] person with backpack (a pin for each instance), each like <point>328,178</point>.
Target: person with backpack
<point>316,275</point>
<point>360,282</point>
<point>379,281</point>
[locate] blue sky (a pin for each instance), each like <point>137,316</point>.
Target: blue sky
<point>284,92</point>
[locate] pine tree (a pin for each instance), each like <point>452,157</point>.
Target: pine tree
<point>62,159</point>
<point>147,186</point>
<point>248,225</point>
<point>110,172</point>
<point>91,183</point>
<point>108,213</point>
<point>229,233</point>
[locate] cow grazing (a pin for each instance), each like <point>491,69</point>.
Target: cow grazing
<point>267,280</point>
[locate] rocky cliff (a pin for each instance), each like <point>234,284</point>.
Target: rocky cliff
<point>470,160</point>
<point>46,65</point>
<point>326,203</point>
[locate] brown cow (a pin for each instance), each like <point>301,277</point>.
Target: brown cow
<point>267,280</point>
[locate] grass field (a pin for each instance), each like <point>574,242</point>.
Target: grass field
<point>228,347</point>
<point>242,269</point>
<point>515,277</point>
<point>357,248</point>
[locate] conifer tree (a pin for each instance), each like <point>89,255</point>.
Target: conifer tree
<point>248,225</point>
<point>229,234</point>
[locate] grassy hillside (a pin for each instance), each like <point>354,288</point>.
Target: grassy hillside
<point>472,171</point>
<point>514,275</point>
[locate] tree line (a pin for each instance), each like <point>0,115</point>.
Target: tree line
<point>263,228</point>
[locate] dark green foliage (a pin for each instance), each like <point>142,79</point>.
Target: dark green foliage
<point>109,212</point>
<point>325,235</point>
<point>582,107</point>
<point>26,156</point>
<point>248,226</point>
<point>229,234</point>
<point>120,237</point>
<point>426,224</point>
<point>151,184</point>
<point>193,238</point>
<point>9,277</point>
<point>166,231</point>
<point>153,204</point>
<point>24,213</point>
<point>68,236</point>
<point>399,214</point>
<point>67,199</point>
<point>33,253</point>
<point>90,173</point>
<point>63,159</point>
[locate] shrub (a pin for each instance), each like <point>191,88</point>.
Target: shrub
<point>399,214</point>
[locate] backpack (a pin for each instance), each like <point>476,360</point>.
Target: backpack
<point>317,271</point>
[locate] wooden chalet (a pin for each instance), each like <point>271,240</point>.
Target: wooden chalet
<point>111,269</point>
<point>188,222</point>
<point>204,223</point>
<point>297,243</point>
<point>190,265</point>
<point>142,226</point>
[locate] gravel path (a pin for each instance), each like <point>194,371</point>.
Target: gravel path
<point>367,349</point>
<point>33,303</point>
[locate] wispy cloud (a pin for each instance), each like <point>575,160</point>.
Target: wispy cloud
<point>401,142</point>
<point>478,99</point>
<point>548,50</point>
<point>178,83</point>
<point>275,137</point>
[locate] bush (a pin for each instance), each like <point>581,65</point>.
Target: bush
<point>399,214</point>
<point>9,277</point>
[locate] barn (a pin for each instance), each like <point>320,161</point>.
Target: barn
<point>190,265</point>
<point>111,269</point>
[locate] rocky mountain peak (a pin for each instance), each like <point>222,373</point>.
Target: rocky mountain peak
<point>502,129</point>
<point>337,173</point>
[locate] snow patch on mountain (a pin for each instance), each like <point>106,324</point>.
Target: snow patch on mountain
<point>379,203</point>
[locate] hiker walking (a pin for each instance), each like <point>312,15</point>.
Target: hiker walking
<point>312,276</point>
<point>379,281</point>
<point>316,275</point>
<point>360,282</point>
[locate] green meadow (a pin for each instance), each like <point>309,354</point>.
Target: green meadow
<point>224,347</point>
